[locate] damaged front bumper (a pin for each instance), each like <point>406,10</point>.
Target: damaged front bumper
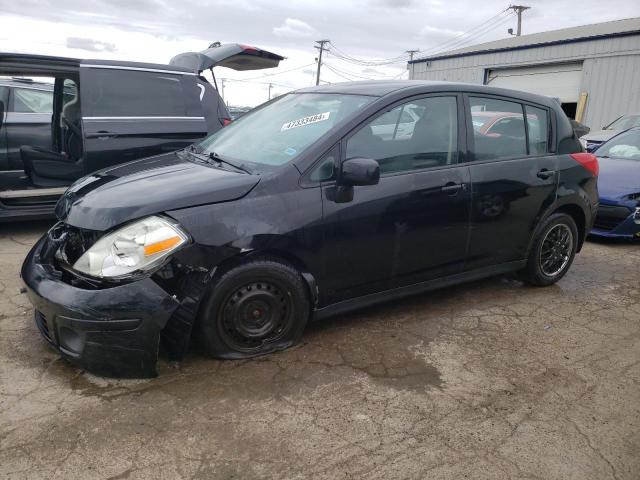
<point>113,331</point>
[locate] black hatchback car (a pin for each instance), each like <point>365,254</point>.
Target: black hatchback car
<point>311,205</point>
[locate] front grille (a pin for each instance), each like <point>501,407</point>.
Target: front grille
<point>609,217</point>
<point>43,326</point>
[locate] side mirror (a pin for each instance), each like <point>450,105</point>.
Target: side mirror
<point>359,171</point>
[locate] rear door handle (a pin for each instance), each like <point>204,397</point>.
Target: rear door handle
<point>544,173</point>
<point>452,188</point>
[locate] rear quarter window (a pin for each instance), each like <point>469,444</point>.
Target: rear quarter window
<point>131,93</point>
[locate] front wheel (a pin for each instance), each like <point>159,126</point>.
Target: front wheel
<point>256,308</point>
<point>553,250</point>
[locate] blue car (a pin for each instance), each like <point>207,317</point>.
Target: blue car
<point>619,187</point>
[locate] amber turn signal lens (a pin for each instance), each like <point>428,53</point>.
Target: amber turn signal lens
<point>161,246</point>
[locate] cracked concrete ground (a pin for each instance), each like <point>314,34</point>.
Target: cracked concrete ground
<point>489,380</point>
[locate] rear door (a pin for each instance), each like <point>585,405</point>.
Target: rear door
<point>130,113</point>
<point>513,176</point>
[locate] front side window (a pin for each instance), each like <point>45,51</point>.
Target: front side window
<point>27,100</point>
<point>419,134</point>
<point>279,132</point>
<point>538,130</point>
<point>498,128</point>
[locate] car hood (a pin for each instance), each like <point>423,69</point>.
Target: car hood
<point>152,185</point>
<point>618,178</point>
<point>601,135</point>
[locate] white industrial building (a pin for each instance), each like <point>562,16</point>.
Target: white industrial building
<point>593,69</point>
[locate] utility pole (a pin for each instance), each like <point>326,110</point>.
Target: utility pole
<point>222,88</point>
<point>518,9</point>
<point>270,85</point>
<point>411,53</point>
<point>321,47</point>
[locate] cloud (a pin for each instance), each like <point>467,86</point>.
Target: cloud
<point>294,28</point>
<point>90,45</point>
<point>429,31</point>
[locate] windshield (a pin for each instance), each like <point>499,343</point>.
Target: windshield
<point>277,133</point>
<point>625,145</point>
<point>624,123</point>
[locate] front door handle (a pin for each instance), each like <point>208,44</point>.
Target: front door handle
<point>452,188</point>
<point>544,173</point>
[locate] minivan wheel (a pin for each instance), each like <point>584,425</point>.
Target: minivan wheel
<point>553,251</point>
<point>256,308</point>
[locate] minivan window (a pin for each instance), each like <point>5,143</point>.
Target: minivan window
<point>538,130</point>
<point>429,140</point>
<point>280,131</point>
<point>28,100</point>
<point>122,93</point>
<point>498,128</point>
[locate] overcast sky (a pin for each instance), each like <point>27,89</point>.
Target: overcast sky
<point>156,30</point>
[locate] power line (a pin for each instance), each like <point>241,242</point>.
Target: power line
<point>472,40</point>
<point>279,73</point>
<point>359,75</point>
<point>470,35</point>
<point>338,53</point>
<point>257,83</point>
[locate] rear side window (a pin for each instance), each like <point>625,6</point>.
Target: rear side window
<point>538,130</point>
<point>27,100</point>
<point>127,93</point>
<point>498,128</point>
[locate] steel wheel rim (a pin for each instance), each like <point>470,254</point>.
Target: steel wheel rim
<point>255,314</point>
<point>556,250</point>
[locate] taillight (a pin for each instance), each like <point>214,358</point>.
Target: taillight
<point>248,48</point>
<point>226,121</point>
<point>588,161</point>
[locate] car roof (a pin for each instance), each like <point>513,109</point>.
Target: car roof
<point>380,88</point>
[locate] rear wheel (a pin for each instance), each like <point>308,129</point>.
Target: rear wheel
<point>254,309</point>
<point>553,250</point>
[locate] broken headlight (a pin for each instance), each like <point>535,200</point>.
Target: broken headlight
<point>139,246</point>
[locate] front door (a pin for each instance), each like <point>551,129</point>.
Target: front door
<point>413,225</point>
<point>513,176</point>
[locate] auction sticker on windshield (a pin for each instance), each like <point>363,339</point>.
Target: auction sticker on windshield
<point>301,122</point>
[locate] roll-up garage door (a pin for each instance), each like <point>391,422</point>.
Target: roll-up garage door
<point>560,80</point>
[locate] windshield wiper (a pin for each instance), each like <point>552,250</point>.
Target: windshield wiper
<point>219,160</point>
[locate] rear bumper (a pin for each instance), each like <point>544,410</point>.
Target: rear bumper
<point>110,331</point>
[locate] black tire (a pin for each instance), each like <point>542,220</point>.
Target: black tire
<point>551,256</point>
<point>256,308</point>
